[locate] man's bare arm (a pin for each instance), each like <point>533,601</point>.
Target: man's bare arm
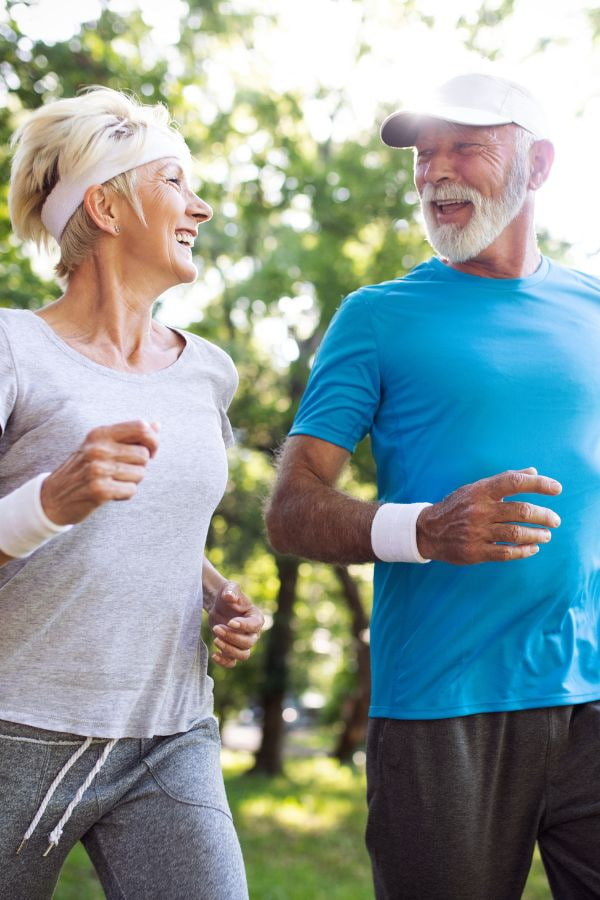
<point>308,516</point>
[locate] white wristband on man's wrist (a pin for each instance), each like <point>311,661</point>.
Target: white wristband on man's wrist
<point>394,532</point>
<point>24,526</point>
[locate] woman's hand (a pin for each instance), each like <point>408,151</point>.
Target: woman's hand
<point>109,465</point>
<point>236,624</point>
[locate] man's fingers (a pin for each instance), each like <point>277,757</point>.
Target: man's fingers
<point>513,533</point>
<point>520,482</point>
<point>528,513</point>
<point>508,552</point>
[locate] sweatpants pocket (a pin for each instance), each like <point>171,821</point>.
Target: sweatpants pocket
<point>187,766</point>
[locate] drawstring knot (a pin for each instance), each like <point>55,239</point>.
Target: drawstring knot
<point>56,834</point>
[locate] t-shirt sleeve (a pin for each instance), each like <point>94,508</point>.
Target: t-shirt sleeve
<point>343,391</point>
<point>8,379</point>
<point>223,377</point>
<point>226,430</point>
<point>229,387</point>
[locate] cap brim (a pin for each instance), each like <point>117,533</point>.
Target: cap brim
<point>400,128</point>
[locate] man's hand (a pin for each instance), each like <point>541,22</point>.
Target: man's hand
<point>236,624</point>
<point>109,465</point>
<point>467,525</point>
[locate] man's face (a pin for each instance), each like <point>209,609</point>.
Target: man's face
<point>472,182</point>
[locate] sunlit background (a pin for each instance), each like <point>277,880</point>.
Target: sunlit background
<point>312,46</point>
<point>300,220</point>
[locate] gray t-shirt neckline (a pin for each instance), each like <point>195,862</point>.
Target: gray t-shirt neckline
<point>101,369</point>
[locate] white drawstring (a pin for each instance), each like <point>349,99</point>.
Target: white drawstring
<point>56,834</point>
<point>50,792</point>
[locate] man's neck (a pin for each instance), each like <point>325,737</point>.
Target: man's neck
<point>491,265</point>
<point>514,253</point>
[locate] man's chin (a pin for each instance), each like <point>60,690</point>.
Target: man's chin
<point>450,249</point>
<point>452,243</point>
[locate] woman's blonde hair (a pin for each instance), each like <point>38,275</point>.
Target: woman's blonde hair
<point>72,136</point>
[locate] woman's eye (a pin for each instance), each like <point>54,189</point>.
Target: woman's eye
<point>174,180</point>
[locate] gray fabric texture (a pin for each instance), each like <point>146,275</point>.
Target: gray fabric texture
<point>155,820</point>
<point>456,805</point>
<point>101,626</point>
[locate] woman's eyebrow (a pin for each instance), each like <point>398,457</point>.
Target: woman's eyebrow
<point>171,165</point>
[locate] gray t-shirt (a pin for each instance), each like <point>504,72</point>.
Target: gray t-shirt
<point>100,627</point>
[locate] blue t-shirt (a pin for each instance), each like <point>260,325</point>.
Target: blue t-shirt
<point>456,378</point>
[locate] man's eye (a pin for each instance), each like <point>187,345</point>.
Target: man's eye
<point>174,180</point>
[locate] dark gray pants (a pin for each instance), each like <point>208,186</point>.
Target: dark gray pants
<point>155,820</point>
<point>456,805</point>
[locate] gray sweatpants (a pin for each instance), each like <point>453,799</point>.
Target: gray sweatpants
<point>155,820</point>
<point>456,805</point>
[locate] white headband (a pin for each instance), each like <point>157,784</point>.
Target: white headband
<point>68,193</point>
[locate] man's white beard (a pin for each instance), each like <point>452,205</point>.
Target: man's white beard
<point>489,218</point>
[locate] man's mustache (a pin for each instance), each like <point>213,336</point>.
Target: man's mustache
<point>459,193</point>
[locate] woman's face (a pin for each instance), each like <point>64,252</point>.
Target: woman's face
<point>163,246</point>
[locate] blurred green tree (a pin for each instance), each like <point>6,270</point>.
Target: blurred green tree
<point>301,220</point>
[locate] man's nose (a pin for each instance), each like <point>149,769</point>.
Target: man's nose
<point>438,168</point>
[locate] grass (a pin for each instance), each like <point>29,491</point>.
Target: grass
<point>301,833</point>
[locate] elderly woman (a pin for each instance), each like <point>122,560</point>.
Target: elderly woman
<point>107,733</point>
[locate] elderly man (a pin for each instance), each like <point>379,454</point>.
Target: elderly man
<point>477,377</point>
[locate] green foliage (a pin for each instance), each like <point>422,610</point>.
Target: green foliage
<point>593,16</point>
<point>478,27</point>
<point>300,221</point>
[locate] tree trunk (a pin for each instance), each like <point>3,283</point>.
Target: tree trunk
<point>357,710</point>
<point>269,756</point>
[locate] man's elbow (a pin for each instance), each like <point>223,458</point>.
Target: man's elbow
<point>275,520</point>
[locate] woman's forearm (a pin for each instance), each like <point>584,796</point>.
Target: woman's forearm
<point>212,584</point>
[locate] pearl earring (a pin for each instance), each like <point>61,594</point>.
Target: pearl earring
<point>117,229</point>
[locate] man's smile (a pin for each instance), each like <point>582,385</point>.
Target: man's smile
<point>448,211</point>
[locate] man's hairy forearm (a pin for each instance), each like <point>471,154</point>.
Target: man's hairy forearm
<point>311,519</point>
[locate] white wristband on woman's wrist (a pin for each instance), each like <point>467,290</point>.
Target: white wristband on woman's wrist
<point>394,532</point>
<point>24,526</point>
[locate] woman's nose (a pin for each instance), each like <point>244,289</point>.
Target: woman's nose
<point>200,210</point>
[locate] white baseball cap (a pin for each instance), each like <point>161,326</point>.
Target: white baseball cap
<point>469,100</point>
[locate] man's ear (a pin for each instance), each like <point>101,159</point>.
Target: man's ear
<point>541,156</point>
<point>100,205</point>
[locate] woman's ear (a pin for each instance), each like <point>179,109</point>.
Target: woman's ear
<point>101,206</point>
